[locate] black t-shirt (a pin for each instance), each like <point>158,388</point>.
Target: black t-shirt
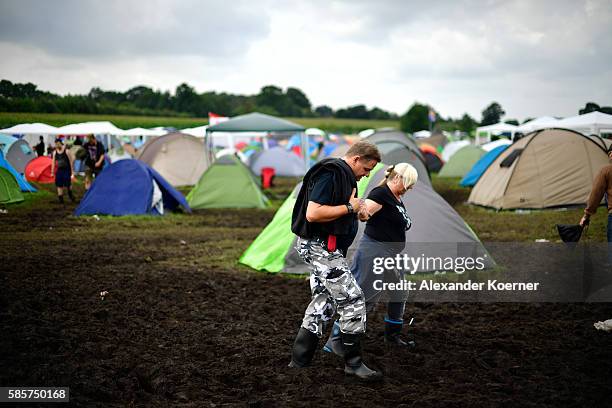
<point>390,223</point>
<point>321,193</point>
<point>94,152</point>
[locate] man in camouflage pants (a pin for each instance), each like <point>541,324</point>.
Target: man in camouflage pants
<point>325,220</point>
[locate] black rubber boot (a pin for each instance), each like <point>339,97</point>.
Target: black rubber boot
<point>353,359</point>
<point>393,334</point>
<point>304,347</point>
<point>334,342</point>
<point>71,195</point>
<point>60,198</point>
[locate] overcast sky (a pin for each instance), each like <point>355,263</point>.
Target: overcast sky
<point>533,57</point>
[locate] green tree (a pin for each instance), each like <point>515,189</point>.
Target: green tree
<point>298,98</point>
<point>512,122</point>
<point>492,114</point>
<point>467,124</point>
<point>415,119</point>
<point>324,111</point>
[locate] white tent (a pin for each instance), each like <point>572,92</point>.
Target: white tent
<point>495,129</point>
<point>422,134</point>
<point>87,128</point>
<point>592,123</point>
<point>314,132</point>
<point>452,148</point>
<point>199,131</point>
<point>496,143</point>
<point>32,131</point>
<point>542,122</point>
<point>143,132</point>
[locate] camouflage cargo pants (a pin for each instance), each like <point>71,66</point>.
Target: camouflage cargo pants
<point>333,288</point>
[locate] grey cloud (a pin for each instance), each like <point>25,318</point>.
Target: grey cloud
<point>132,28</point>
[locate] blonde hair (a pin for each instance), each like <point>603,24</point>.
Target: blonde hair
<point>406,171</point>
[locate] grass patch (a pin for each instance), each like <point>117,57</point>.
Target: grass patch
<point>8,119</point>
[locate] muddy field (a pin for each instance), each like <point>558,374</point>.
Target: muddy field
<point>183,325</point>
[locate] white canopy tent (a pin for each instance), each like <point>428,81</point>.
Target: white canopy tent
<point>142,132</point>
<point>92,128</point>
<point>199,131</point>
<point>592,123</point>
<point>314,132</point>
<point>495,129</point>
<point>30,132</point>
<point>87,128</point>
<point>542,122</point>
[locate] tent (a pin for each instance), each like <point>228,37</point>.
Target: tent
<point>9,189</point>
<point>452,148</point>
<point>90,128</point>
<point>481,166</point>
<point>257,122</point>
<point>21,181</point>
<point>462,161</point>
<point>117,154</point>
<point>17,152</point>
<point>542,122</point>
<point>494,129</point>
<point>284,163</point>
<point>39,170</point>
<point>437,231</point>
<point>30,132</point>
<point>592,123</point>
<point>227,183</point>
<point>547,168</point>
<point>487,147</point>
<point>437,140</point>
<point>394,137</point>
<point>432,157</point>
<point>422,134</point>
<point>130,187</point>
<point>179,158</point>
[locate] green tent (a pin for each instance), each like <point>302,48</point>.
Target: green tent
<point>9,189</point>
<point>462,162</point>
<point>272,250</point>
<point>227,183</point>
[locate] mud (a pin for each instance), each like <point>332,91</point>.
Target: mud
<point>182,324</point>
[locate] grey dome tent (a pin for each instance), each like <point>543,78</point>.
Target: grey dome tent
<point>437,231</point>
<point>285,163</point>
<point>16,151</point>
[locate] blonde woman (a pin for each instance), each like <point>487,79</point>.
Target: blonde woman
<point>385,236</point>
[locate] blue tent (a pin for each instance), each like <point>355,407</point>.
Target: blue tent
<point>481,166</point>
<point>23,184</point>
<point>130,187</point>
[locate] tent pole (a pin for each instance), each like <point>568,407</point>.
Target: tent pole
<point>304,140</point>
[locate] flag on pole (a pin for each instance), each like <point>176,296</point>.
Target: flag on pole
<point>432,115</point>
<point>213,119</point>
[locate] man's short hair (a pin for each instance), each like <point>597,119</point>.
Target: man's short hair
<point>365,150</point>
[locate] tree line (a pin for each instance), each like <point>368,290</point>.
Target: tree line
<point>273,100</point>
<point>185,101</point>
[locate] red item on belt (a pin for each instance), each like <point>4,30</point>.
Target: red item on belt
<point>331,243</point>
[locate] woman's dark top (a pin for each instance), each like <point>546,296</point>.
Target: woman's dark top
<point>390,223</point>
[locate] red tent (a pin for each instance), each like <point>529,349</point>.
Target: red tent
<point>39,170</point>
